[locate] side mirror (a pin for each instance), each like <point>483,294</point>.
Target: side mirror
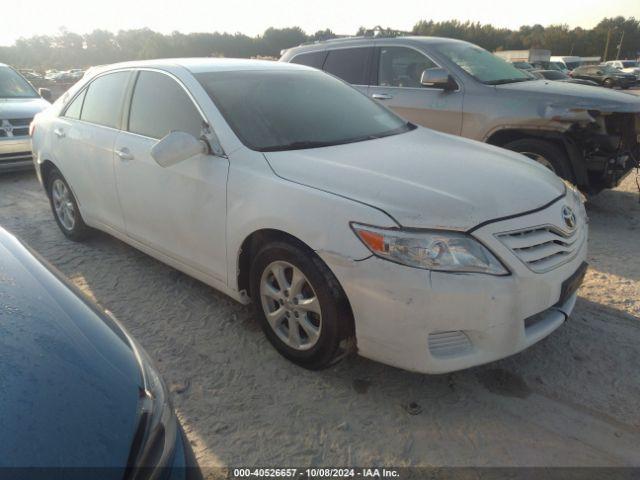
<point>45,93</point>
<point>176,147</point>
<point>438,78</point>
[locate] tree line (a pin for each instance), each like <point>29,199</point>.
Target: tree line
<point>69,50</point>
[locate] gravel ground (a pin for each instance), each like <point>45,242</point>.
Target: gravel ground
<point>572,399</point>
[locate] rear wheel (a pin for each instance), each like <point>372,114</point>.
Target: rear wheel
<point>300,305</point>
<point>65,208</point>
<point>545,153</point>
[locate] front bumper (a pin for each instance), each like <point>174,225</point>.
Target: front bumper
<point>436,322</point>
<point>15,154</point>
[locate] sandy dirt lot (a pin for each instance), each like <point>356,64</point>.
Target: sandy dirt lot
<point>573,399</point>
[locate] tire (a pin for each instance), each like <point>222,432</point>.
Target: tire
<point>546,153</point>
<point>608,83</point>
<point>65,208</point>
<point>319,332</point>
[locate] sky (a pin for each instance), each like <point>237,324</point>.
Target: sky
<point>45,17</point>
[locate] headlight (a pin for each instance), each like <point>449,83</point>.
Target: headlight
<point>158,425</point>
<point>432,250</point>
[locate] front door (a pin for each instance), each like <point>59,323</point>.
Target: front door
<point>179,211</point>
<point>397,86</point>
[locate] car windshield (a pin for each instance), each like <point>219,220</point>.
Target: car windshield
<point>482,65</point>
<point>12,85</point>
<point>272,110</point>
<point>572,65</point>
<point>629,64</point>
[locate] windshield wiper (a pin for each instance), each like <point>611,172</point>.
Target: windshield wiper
<point>296,146</point>
<point>502,81</point>
<point>300,145</point>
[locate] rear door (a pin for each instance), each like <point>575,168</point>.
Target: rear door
<point>396,84</point>
<point>351,64</point>
<point>179,211</point>
<point>83,141</point>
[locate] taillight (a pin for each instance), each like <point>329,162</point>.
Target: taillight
<point>32,128</point>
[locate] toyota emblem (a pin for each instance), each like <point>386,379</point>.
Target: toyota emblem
<point>569,217</point>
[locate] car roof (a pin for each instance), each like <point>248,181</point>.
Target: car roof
<point>358,41</point>
<point>205,64</point>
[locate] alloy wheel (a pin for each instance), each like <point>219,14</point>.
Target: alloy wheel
<point>63,205</point>
<point>290,305</point>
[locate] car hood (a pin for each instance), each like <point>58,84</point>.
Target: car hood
<point>574,95</point>
<point>70,380</point>
<point>21,107</point>
<point>425,179</point>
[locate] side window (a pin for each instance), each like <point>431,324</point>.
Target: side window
<point>350,64</point>
<point>74,109</point>
<point>401,67</point>
<point>153,118</point>
<point>103,100</point>
<point>312,59</point>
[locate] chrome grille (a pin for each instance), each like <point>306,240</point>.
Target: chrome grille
<point>544,248</point>
<point>15,127</point>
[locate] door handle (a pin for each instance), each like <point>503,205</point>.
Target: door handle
<point>59,133</point>
<point>124,154</point>
<point>381,96</point>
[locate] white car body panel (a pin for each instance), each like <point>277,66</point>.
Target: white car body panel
<point>196,215</point>
<point>424,188</point>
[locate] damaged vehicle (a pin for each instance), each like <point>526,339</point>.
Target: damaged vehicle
<point>347,226</point>
<point>587,135</point>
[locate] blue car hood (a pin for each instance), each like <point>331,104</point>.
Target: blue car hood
<point>69,379</point>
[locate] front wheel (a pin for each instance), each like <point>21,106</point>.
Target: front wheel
<point>608,83</point>
<point>65,208</point>
<point>300,305</point>
<point>545,153</point>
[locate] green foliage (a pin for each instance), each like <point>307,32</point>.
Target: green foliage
<point>68,49</point>
<point>558,38</point>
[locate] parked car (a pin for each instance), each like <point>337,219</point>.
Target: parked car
<point>523,65</point>
<point>558,76</point>
<point>588,136</point>
<point>569,62</point>
<point>342,222</point>
<point>626,66</point>
<point>19,102</point>
<point>546,65</point>
<point>604,75</point>
<point>78,392</point>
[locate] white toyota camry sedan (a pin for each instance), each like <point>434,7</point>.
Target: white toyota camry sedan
<point>347,227</point>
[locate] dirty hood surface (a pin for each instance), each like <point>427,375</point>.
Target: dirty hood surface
<point>425,179</point>
<point>575,95</point>
<point>69,381</point>
<point>11,108</point>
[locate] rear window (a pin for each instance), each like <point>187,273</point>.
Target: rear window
<point>103,100</point>
<point>311,59</point>
<point>349,64</point>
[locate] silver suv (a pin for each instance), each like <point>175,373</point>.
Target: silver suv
<point>587,135</point>
<point>19,102</point>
